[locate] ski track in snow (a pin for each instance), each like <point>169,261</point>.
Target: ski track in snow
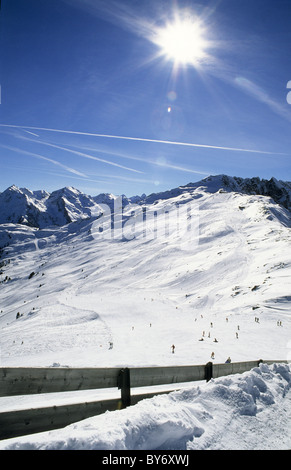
<point>146,294</point>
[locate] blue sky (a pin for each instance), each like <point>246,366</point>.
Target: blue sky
<point>90,99</point>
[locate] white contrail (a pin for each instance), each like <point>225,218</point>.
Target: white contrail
<point>41,157</point>
<point>164,164</point>
<point>141,139</point>
<point>91,157</point>
<point>32,133</point>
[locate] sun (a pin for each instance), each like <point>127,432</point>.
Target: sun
<point>183,41</point>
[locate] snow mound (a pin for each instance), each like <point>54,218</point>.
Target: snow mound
<point>234,412</point>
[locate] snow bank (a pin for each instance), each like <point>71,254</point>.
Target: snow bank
<point>241,411</point>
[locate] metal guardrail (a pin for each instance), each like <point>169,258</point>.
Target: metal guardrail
<point>18,381</point>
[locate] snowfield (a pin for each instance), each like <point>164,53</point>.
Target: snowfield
<point>69,291</point>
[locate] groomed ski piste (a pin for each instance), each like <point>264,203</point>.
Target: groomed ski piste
<point>69,291</point>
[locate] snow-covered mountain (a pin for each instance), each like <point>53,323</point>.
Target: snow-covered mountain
<point>77,287</point>
<point>41,209</point>
<point>279,191</point>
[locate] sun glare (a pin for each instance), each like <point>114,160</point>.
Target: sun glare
<point>183,41</point>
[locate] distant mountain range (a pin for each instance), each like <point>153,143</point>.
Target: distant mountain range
<point>41,209</point>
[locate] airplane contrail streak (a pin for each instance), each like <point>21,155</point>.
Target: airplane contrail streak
<point>41,157</point>
<point>141,139</point>
<point>85,155</point>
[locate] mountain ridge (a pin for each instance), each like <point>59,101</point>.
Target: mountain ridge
<point>41,209</point>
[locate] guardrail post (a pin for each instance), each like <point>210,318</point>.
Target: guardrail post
<point>124,385</point>
<point>208,371</point>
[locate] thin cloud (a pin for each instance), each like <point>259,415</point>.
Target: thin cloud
<point>119,14</point>
<point>261,95</point>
